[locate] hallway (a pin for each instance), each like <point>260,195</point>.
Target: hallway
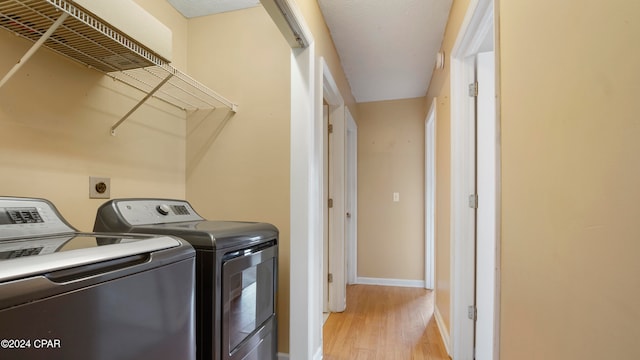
<point>384,323</point>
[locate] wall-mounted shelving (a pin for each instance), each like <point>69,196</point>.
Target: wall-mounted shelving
<point>69,30</point>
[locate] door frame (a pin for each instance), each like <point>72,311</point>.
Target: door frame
<point>478,22</point>
<point>352,198</point>
<point>306,188</point>
<point>305,195</point>
<point>486,216</point>
<point>328,212</point>
<point>305,267</point>
<point>337,190</point>
<point>429,196</point>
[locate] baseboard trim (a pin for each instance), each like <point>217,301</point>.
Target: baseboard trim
<point>390,282</point>
<point>318,354</point>
<point>444,332</point>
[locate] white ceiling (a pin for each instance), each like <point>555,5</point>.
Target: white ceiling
<point>195,8</point>
<point>387,47</point>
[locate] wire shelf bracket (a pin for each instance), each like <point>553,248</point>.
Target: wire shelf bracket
<point>73,32</point>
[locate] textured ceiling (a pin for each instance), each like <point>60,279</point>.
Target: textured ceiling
<point>195,8</point>
<point>387,48</point>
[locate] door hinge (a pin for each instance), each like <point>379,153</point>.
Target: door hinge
<point>330,128</point>
<point>330,278</point>
<point>473,201</point>
<point>473,89</point>
<point>330,203</point>
<point>472,312</point>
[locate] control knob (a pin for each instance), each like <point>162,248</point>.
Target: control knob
<point>163,209</point>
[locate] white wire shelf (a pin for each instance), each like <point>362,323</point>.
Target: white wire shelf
<point>69,30</point>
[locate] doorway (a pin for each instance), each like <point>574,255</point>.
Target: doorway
<point>475,188</point>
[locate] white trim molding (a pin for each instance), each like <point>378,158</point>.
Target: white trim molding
<point>444,332</point>
<point>390,282</point>
<point>305,331</point>
<point>352,198</point>
<point>430,195</point>
<point>318,354</point>
<point>336,177</point>
<point>283,356</point>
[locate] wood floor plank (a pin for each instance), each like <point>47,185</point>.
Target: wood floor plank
<point>384,323</point>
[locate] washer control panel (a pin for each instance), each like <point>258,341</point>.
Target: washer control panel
<point>23,217</point>
<point>155,211</point>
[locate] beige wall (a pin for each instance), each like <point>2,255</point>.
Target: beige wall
<point>569,175</point>
<point>239,170</point>
<point>165,13</point>
<point>391,159</point>
<point>55,117</point>
<point>440,89</point>
<point>570,191</point>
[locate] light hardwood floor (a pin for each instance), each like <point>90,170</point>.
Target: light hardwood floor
<point>384,323</point>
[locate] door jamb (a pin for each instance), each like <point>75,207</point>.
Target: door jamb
<point>337,174</point>
<point>430,191</point>
<point>352,193</point>
<point>478,21</point>
<point>306,217</point>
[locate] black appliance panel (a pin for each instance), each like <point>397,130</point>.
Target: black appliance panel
<point>248,299</point>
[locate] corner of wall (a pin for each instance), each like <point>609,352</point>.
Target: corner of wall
<point>444,332</point>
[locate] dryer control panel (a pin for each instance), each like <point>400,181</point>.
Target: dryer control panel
<point>155,211</point>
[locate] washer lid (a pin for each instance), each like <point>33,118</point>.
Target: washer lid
<point>28,257</point>
<point>178,218</point>
<point>213,235</point>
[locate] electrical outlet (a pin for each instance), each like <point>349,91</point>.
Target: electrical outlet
<point>396,196</point>
<point>99,188</point>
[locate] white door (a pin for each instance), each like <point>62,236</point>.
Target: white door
<point>486,181</point>
<point>352,199</point>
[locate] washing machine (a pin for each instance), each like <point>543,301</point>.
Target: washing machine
<point>71,295</point>
<point>236,273</point>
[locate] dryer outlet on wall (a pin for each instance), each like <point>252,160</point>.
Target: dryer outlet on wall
<point>99,187</point>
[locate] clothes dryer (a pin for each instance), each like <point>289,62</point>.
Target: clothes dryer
<point>236,273</point>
